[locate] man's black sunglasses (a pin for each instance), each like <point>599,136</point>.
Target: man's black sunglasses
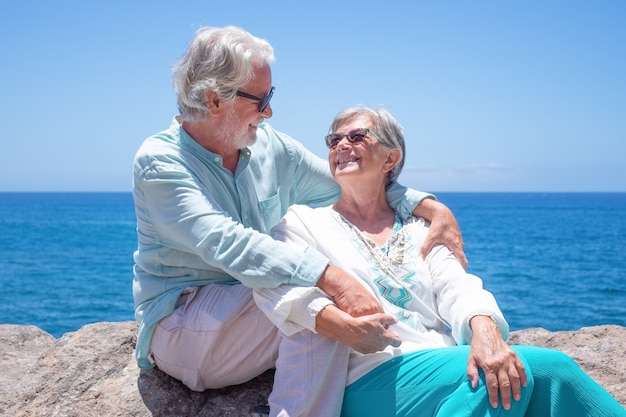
<point>263,101</point>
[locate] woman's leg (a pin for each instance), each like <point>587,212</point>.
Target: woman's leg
<point>432,382</point>
<point>563,389</point>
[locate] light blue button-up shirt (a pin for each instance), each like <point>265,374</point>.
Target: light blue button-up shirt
<point>198,223</point>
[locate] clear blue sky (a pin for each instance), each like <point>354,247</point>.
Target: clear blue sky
<point>493,95</point>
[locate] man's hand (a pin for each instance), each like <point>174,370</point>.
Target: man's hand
<point>504,371</point>
<point>444,229</point>
<point>365,334</point>
<point>348,293</point>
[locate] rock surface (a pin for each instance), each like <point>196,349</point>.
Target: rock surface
<point>92,372</point>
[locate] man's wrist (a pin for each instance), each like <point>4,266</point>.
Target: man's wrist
<point>427,209</point>
<point>328,282</point>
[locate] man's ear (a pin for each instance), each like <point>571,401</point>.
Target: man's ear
<point>393,157</point>
<point>213,102</point>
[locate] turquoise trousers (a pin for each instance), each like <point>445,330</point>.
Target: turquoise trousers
<point>434,383</point>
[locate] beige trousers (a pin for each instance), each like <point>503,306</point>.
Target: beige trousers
<point>217,337</point>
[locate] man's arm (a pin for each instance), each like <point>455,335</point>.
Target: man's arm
<point>347,293</point>
<point>293,309</point>
<point>194,224</point>
<point>444,228</point>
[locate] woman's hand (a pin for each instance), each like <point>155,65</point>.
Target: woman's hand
<point>504,371</point>
<point>444,229</point>
<point>365,334</point>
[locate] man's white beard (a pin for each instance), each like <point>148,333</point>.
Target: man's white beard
<point>229,134</point>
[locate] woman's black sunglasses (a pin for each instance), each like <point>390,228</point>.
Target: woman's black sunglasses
<point>354,136</point>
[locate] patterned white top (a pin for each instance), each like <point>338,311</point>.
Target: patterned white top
<point>433,298</point>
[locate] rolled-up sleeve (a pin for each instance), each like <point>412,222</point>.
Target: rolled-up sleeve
<point>460,295</point>
<point>289,307</point>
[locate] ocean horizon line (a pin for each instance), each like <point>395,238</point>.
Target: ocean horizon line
<point>429,191</point>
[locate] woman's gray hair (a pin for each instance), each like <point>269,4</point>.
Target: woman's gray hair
<point>218,59</point>
<point>385,126</point>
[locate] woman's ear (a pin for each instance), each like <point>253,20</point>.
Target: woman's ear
<point>393,157</point>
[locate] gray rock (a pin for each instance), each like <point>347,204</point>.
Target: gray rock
<point>92,372</point>
<point>599,350</point>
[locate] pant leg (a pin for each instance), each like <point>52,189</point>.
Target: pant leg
<point>563,389</point>
<point>217,337</point>
<point>427,383</point>
<point>310,376</point>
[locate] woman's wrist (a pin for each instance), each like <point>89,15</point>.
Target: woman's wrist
<point>483,318</point>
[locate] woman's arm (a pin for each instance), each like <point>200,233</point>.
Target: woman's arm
<point>504,372</point>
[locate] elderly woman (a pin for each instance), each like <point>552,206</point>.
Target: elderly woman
<point>439,348</point>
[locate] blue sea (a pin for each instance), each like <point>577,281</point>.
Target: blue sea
<point>553,260</point>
